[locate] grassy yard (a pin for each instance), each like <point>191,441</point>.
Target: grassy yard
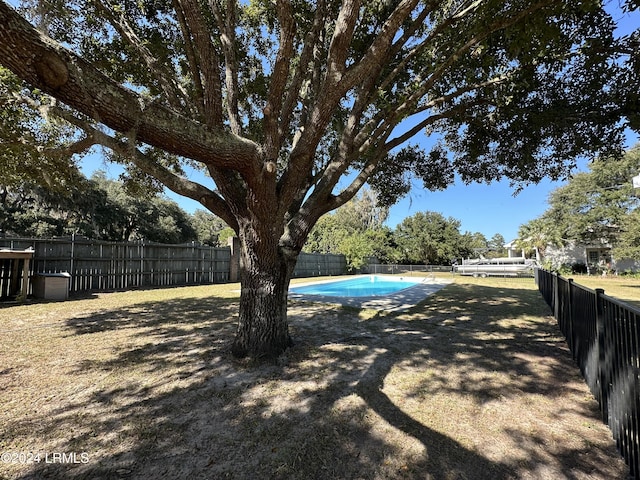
<point>623,288</point>
<point>474,383</point>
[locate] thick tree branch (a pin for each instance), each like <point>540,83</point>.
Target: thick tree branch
<point>144,162</point>
<point>75,148</point>
<point>173,182</point>
<point>279,80</point>
<point>408,134</point>
<point>59,72</point>
<point>339,47</point>
<point>339,79</point>
<point>303,88</point>
<point>294,92</point>
<point>375,156</point>
<point>339,165</point>
<point>208,61</point>
<point>374,61</point>
<point>335,85</point>
<point>415,51</point>
<point>430,120</point>
<point>380,126</point>
<point>388,117</point>
<point>332,89</point>
<point>350,191</point>
<point>376,55</point>
<point>67,150</point>
<point>194,67</point>
<point>226,25</point>
<point>497,25</point>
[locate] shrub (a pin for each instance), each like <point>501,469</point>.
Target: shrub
<point>579,267</point>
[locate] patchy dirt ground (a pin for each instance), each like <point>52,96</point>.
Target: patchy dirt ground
<point>476,383</point>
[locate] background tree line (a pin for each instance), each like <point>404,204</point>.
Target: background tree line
<point>357,230</point>
<point>115,210</point>
<point>103,209</point>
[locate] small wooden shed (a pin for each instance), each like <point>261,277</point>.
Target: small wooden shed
<point>13,279</point>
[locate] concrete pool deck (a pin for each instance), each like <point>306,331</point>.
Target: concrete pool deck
<point>393,302</point>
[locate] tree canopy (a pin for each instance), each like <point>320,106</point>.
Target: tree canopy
<point>322,86</point>
<point>102,209</point>
<point>430,238</point>
<point>291,107</point>
<point>33,149</point>
<point>596,206</point>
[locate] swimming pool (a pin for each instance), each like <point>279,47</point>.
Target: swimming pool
<point>368,286</point>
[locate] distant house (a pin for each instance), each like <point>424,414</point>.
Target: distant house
<point>514,251</point>
<point>592,257</point>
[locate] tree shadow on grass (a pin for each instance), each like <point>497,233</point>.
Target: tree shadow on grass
<point>169,401</point>
<point>177,332</point>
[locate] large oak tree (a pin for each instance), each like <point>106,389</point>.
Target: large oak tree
<point>281,101</point>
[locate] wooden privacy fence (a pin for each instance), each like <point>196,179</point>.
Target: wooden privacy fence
<point>100,265</point>
<point>318,264</point>
<point>604,337</point>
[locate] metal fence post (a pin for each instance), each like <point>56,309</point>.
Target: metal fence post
<point>556,296</point>
<point>602,358</point>
<point>570,320</point>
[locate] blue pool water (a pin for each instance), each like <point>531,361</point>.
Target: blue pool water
<point>357,287</point>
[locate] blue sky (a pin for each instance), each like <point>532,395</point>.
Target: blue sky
<point>488,209</point>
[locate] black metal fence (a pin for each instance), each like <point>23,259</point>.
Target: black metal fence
<point>604,337</point>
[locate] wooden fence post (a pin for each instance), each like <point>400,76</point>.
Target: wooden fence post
<point>72,259</point>
<point>603,379</point>
<point>234,263</point>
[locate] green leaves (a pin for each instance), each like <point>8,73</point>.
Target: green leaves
<point>429,238</point>
<point>594,207</point>
<point>392,178</point>
<point>33,148</point>
<point>355,230</point>
<point>102,209</point>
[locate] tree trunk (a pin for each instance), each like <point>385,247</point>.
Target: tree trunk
<point>265,272</point>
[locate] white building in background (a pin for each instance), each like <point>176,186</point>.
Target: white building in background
<point>514,251</point>
<point>594,256</point>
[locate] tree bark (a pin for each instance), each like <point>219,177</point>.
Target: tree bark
<point>71,79</point>
<point>265,271</point>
